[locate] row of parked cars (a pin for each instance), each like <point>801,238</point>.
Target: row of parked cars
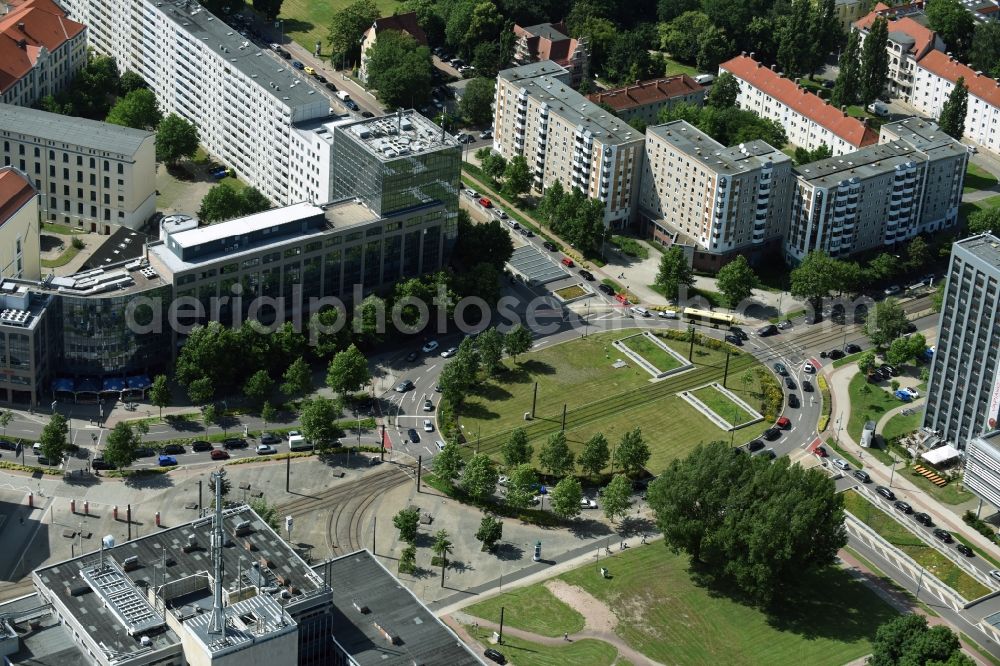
<point>166,455</point>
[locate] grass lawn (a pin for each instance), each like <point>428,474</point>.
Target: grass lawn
<point>900,425</point>
<point>62,259</point>
<point>867,406</point>
<point>630,246</point>
<point>588,651</point>
<point>953,493</point>
<point>893,532</point>
<point>674,67</point>
<point>531,608</point>
<point>49,227</point>
<point>721,405</point>
<point>600,398</point>
<point>573,291</point>
<point>307,21</point>
<point>977,179</point>
<point>650,351</point>
<point>670,619</point>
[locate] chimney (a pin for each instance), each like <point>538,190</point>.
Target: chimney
<point>753,55</point>
<point>743,53</point>
<point>798,81</point>
<point>774,68</point>
<point>20,26</point>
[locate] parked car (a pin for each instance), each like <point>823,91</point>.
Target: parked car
<point>485,203</point>
<point>995,573</point>
<point>587,503</point>
<point>965,550</point>
<point>449,352</point>
<point>606,289</point>
<point>201,445</point>
<point>914,393</point>
<point>486,134</point>
<point>734,339</point>
<point>784,325</point>
<point>891,290</point>
<point>840,463</point>
<point>219,454</point>
<point>412,435</point>
<point>329,86</point>
<point>780,369</point>
<point>100,463</point>
<point>886,493</point>
<point>793,400</point>
<point>755,445</point>
<point>428,425</point>
<point>772,434</point>
<point>923,519</point>
<point>783,423</point>
<point>167,461</point>
<point>807,386</point>
<point>495,655</point>
<point>367,114</point>
<point>586,275</point>
<point>404,386</point>
<point>234,443</point>
<point>173,449</point>
<point>465,138</point>
<point>852,348</point>
<point>7,445</point>
<point>567,262</point>
<point>550,246</point>
<point>439,444</point>
<point>269,438</point>
<point>429,347</point>
<point>667,314</point>
<point>902,507</point>
<point>861,476</point>
<point>411,357</point>
<point>821,452</point>
<point>298,65</point>
<point>903,395</point>
<point>265,450</point>
<point>943,535</point>
<point>768,453</point>
<point>835,354</point>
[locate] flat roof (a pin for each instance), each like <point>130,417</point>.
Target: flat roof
<point>865,163</point>
<point>398,135</point>
<point>227,44</point>
<point>359,581</point>
<point>713,155</point>
<point>531,70</point>
<point>985,247</point>
<point>92,134</point>
<point>51,643</point>
<point>924,135</point>
<point>246,225</point>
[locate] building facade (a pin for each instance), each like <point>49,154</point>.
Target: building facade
<point>644,100</point>
<point>405,23</point>
<point>19,227</point>
<point>724,201</point>
<point>566,137</point>
<point>879,196</point>
<point>963,392</point>
<point>549,41</point>
<point>982,467</point>
<point>808,120</point>
<point>40,50</point>
<point>90,174</point>
<point>244,101</point>
<point>909,41</point>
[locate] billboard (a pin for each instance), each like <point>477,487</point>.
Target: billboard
<point>993,409</point>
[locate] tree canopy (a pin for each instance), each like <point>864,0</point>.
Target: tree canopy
<point>674,272</point>
<point>138,109</point>
<point>348,371</point>
<point>954,23</point>
<point>319,421</point>
<point>476,105</point>
<point>886,322</point>
<point>54,439</point>
<point>399,68</point>
<point>728,125</point>
<point>907,639</point>
<point>874,62</point>
<point>225,202</point>
<point>555,457</point>
<point>176,138</point>
<point>736,281</point>
<point>347,27</point>
<point>489,242</point>
<point>480,477</point>
<point>954,109</point>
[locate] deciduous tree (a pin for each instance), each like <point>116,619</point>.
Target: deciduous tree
<point>595,455</point>
<point>489,242</point>
<point>400,68</point>
<point>555,456</point>
<point>490,532</point>
<point>137,109</point>
<point>319,421</point>
<point>954,109</point>
<point>517,177</point>
<point>159,393</point>
<point>479,479</point>
<point>516,450</point>
<point>258,386</point>
<point>813,278</point>
<point>907,639</point>
<point>490,345</point>
<point>886,322</point>
<point>954,23</point>
<point>984,55</point>
<point>522,485</point>
<point>407,521</point>
<point>176,138</point>
<point>54,439</point>
<point>566,497</point>
<point>448,462</point>
<point>119,450</point>
<point>201,391</point>
<point>347,28</point>
<point>476,105</point>
<point>297,378</point>
<point>674,272</point>
<point>724,92</point>
<point>736,280</point>
<point>348,371</point>
<point>617,497</point>
<point>632,453</point>
<point>517,341</point>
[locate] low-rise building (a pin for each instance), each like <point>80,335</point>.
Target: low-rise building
<point>566,137</point>
<point>41,50</point>
<point>549,41</point>
<point>879,196</point>
<point>19,226</point>
<point>90,175</point>
<point>982,466</point>
<point>404,23</point>
<point>849,11</point>
<point>909,41</point>
<point>644,100</point>
<point>724,201</point>
<point>808,120</point>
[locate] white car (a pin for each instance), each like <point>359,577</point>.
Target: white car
<point>840,464</point>
<point>914,393</point>
<point>892,289</point>
<point>667,314</point>
<point>428,425</point>
<point>265,449</point>
<point>587,503</point>
<point>472,193</point>
<point>785,324</point>
<point>428,405</point>
<point>808,368</point>
<point>429,347</point>
<point>501,214</point>
<point>293,433</point>
<point>449,352</point>
<point>439,444</point>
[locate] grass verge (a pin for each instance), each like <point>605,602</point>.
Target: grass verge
<point>62,229</point>
<point>518,651</point>
<point>652,352</point>
<point>977,179</point>
<point>63,259</point>
<point>843,453</point>
<point>953,493</point>
<point>900,425</point>
<point>868,403</point>
<point>533,609</point>
<point>573,291</point>
<point>715,400</point>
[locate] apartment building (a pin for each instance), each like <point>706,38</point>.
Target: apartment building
<point>244,100</point>
<point>848,11</point>
<point>723,201</point>
<point>963,392</point>
<point>90,175</point>
<point>19,228</point>
<point>909,41</point>
<point>549,41</point>
<point>936,76</point>
<point>405,23</point>
<point>879,196</point>
<point>644,100</point>
<point>40,50</point>
<point>566,137</point>
<point>808,120</point>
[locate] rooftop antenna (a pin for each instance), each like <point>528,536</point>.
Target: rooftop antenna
<point>218,623</point>
<point>399,119</point>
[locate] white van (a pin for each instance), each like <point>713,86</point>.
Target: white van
<point>668,314</point>
<point>641,311</point>
<point>878,108</point>
<point>705,79</point>
<point>298,443</point>
<point>343,95</point>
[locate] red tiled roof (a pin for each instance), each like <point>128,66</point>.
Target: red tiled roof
<point>15,191</point>
<point>801,101</point>
<point>923,37</point>
<point>403,23</point>
<point>647,92</point>
<point>947,67</point>
<point>548,41</point>
<point>35,24</point>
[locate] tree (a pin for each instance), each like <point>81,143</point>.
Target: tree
<point>516,177</point>
<point>484,25</point>
<point>138,110</point>
<point>954,23</point>
<point>130,81</point>
<point>319,421</point>
<point>883,267</point>
<point>224,202</point>
<point>516,450</point>
<point>736,281</point>
<point>490,345</point>
<point>226,486</point>
<point>595,456</point>
<point>490,531</point>
<point>632,453</point>
<point>209,414</point>
<point>347,27</point>
<point>803,156</point>
<point>119,449</point>
<point>406,521</point>
<point>267,511</point>
<point>442,547</point>
<point>517,341</point>
<point>954,109</point>
<point>476,105</point>
<point>724,92</point>
<point>813,278</point>
<point>866,362</point>
<point>486,59</point>
<point>555,456</point>
<point>480,477</point>
<point>176,138</point>
<point>845,88</point>
<point>617,497</point>
<point>159,393</point>
<point>886,322</point>
<point>54,439</point>
<point>906,639</point>
<point>455,380</point>
<point>489,242</point>
<point>348,371</point>
<point>674,272</point>
<point>985,221</point>
<point>565,498</point>
<point>6,416</point>
<point>714,47</point>
<point>522,485</point>
<point>399,68</point>
<point>898,352</point>
<point>408,559</point>
<point>201,391</point>
<point>298,378</point>
<point>268,8</point>
<point>918,344</point>
<point>681,37</point>
<point>984,55</point>
<point>918,254</point>
<point>268,413</point>
<point>368,324</point>
<point>874,62</point>
<point>795,43</point>
<point>493,165</point>
<point>258,386</point>
<point>448,463</point>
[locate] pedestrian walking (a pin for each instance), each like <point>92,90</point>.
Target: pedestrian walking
<point>565,636</point>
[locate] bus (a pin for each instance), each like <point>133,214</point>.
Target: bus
<point>708,318</point>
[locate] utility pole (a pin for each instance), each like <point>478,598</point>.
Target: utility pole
<point>288,470</point>
<point>725,374</point>
<point>381,453</point>
<point>534,400</point>
<point>691,349</point>
<point>199,498</point>
<point>128,519</point>
<point>374,523</point>
<point>500,633</point>
<point>420,467</point>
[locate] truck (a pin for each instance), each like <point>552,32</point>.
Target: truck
<point>298,443</point>
<point>343,95</point>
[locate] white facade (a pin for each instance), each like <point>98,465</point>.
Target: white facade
<point>935,78</point>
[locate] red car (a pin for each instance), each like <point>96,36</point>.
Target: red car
<point>821,452</point>
<point>219,454</point>
<point>485,203</point>
<point>783,422</point>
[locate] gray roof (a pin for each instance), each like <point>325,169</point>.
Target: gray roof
<point>986,248</point>
<point>261,66</point>
<point>862,164</point>
<point>92,134</point>
<point>547,31</point>
<point>923,135</point>
<point>712,154</point>
<point>399,134</point>
<point>533,69</point>
<point>51,643</point>
<point>358,578</point>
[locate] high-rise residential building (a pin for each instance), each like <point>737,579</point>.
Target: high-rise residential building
<point>963,392</point>
<point>404,23</point>
<point>909,41</point>
<point>89,174</point>
<point>808,120</point>
<point>40,50</point>
<point>644,100</point>
<point>19,226</point>
<point>879,196</point>
<point>566,137</point>
<point>723,201</point>
<point>243,99</point>
<point>935,77</point>
<point>549,41</point>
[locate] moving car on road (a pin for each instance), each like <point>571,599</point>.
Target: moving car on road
<point>404,386</point>
<point>219,454</point>
<point>412,435</point>
<point>265,449</point>
<point>429,347</point>
<point>428,425</point>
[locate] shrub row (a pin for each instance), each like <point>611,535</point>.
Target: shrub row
<point>980,526</point>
